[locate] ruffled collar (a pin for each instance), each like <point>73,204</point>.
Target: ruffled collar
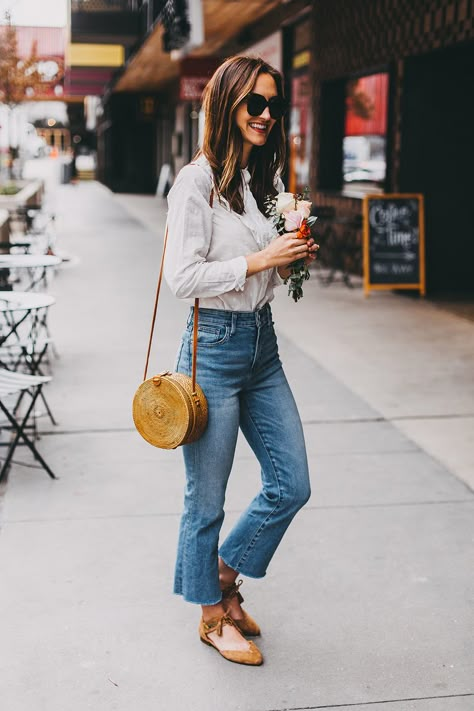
<point>261,228</point>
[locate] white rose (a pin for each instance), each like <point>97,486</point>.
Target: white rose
<point>285,202</point>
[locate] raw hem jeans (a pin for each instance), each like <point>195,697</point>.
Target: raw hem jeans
<point>240,371</point>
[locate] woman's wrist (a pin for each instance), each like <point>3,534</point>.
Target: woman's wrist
<point>257,262</point>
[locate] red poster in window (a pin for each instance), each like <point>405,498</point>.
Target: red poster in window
<point>366,106</point>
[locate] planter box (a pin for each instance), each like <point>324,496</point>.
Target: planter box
<point>31,193</point>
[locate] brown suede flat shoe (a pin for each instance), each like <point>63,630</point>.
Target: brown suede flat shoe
<point>252,656</point>
<point>247,624</point>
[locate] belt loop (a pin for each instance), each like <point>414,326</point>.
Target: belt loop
<point>190,316</point>
<point>233,323</point>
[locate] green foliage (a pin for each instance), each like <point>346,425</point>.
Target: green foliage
<point>9,189</point>
<point>299,274</point>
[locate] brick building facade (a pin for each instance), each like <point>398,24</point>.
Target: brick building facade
<point>427,49</point>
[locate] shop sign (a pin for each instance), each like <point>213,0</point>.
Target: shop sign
<point>95,55</point>
<point>394,242</point>
<point>195,73</point>
<point>191,88</point>
<point>301,59</point>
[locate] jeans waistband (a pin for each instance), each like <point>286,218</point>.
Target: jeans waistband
<point>261,317</point>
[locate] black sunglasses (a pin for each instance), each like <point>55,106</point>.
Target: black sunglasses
<point>256,105</point>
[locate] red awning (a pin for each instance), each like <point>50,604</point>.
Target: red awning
<point>87,81</point>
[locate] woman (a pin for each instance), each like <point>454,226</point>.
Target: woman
<point>223,250</point>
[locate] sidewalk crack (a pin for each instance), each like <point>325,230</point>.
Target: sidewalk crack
<point>371,703</point>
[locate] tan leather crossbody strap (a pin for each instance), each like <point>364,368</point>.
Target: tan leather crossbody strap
<point>155,308</point>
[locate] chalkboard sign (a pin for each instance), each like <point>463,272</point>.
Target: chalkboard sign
<point>394,245</point>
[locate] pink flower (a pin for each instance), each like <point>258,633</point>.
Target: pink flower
<point>293,220</point>
<point>304,207</point>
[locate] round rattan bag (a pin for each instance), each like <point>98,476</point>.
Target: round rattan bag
<point>167,411</point>
<point>170,409</point>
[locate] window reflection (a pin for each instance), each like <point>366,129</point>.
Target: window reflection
<point>365,131</point>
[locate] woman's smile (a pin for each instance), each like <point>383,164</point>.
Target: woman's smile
<point>259,126</point>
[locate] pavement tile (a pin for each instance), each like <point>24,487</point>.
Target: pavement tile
<point>321,397</point>
<point>448,439</point>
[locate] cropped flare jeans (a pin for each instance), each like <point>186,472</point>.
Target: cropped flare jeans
<point>240,371</point>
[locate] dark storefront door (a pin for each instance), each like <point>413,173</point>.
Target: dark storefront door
<point>127,144</point>
<point>437,159</point>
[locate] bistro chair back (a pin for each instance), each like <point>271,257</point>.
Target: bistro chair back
<point>12,387</point>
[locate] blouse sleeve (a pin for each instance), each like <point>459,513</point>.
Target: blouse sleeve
<point>187,272</point>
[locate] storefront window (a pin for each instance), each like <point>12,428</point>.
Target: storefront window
<point>300,113</point>
<point>300,133</point>
<point>365,131</point>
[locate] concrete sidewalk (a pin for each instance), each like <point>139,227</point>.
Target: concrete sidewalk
<point>369,599</point>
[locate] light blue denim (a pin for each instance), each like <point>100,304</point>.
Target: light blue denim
<point>240,371</point>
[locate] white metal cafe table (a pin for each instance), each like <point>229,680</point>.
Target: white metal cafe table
<point>35,266</point>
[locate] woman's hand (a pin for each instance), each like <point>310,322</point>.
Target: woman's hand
<point>281,252</point>
<point>285,272</point>
<point>313,248</point>
<point>286,249</point>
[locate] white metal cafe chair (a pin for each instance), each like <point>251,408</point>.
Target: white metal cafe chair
<point>14,386</point>
<point>24,335</point>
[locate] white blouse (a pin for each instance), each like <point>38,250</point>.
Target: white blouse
<point>205,257</point>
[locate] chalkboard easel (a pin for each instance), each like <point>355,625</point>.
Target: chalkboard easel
<point>394,242</point>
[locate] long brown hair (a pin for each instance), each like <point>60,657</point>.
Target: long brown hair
<point>222,143</point>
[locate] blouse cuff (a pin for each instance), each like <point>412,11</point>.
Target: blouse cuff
<point>277,280</point>
<point>241,267</point>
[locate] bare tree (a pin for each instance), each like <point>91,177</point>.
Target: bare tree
<point>19,78</point>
